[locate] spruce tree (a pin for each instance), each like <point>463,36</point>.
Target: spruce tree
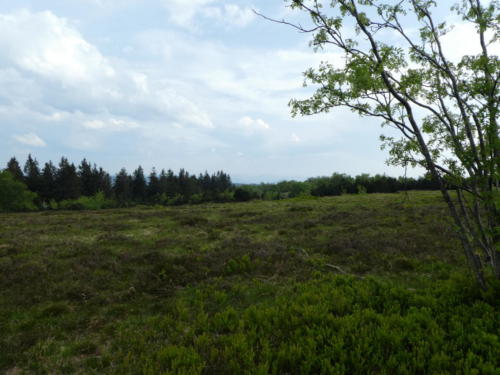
<point>33,176</point>
<point>48,182</point>
<point>139,185</point>
<point>67,181</point>
<point>87,179</point>
<point>172,184</point>
<point>104,183</point>
<point>154,187</point>
<point>123,187</point>
<point>15,169</point>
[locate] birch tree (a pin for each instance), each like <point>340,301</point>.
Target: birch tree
<point>446,111</point>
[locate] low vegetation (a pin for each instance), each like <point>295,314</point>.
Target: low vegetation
<point>354,284</point>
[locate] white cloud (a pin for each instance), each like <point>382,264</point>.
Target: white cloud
<point>30,139</point>
<point>295,138</point>
<point>463,39</point>
<point>55,49</point>
<point>58,71</point>
<point>178,99</point>
<point>251,79</point>
<point>230,15</point>
<point>251,126</point>
<point>183,13</point>
<point>111,124</point>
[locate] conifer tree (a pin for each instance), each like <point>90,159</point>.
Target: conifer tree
<point>104,182</point>
<point>15,169</point>
<point>48,182</point>
<point>139,185</point>
<point>33,176</point>
<point>67,181</point>
<point>89,180</point>
<point>172,184</point>
<point>123,187</point>
<point>185,184</point>
<point>154,187</point>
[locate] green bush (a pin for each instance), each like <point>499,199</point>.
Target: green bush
<point>333,325</point>
<point>239,265</point>
<point>95,202</point>
<point>225,196</point>
<point>242,194</point>
<point>196,199</point>
<point>14,194</point>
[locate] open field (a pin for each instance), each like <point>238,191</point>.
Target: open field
<point>354,284</point>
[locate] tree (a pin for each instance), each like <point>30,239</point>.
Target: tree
<point>67,181</point>
<point>123,187</point>
<point>104,179</point>
<point>15,169</point>
<point>446,111</point>
<point>49,188</point>
<point>154,187</point>
<point>33,177</point>
<point>171,183</point>
<point>14,194</point>
<point>89,178</point>
<point>186,187</point>
<point>139,185</point>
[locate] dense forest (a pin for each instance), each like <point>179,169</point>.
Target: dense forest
<point>87,186</point>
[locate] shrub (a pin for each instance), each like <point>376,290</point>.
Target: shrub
<point>14,194</point>
<point>95,202</point>
<point>242,195</point>
<point>331,325</point>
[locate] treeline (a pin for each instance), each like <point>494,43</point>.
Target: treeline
<point>336,184</point>
<point>86,186</point>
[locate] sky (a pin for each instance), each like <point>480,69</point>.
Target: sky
<point>197,84</point>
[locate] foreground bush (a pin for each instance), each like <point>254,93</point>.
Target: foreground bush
<point>330,326</point>
<point>244,288</point>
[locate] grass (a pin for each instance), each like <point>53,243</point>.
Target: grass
<point>352,284</point>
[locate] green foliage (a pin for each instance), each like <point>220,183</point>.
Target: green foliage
<point>244,194</point>
<point>455,135</point>
<point>244,288</point>
<point>14,194</point>
<point>66,184</point>
<point>336,184</point>
<point>331,325</point>
<point>239,265</point>
<point>96,202</point>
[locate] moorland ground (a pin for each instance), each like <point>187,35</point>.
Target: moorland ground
<point>355,284</point>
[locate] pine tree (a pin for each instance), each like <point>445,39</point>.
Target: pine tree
<point>139,185</point>
<point>104,183</point>
<point>15,169</point>
<point>87,178</point>
<point>206,186</point>
<point>33,176</point>
<point>67,181</point>
<point>123,187</point>
<point>48,182</point>
<point>172,184</point>
<point>154,187</point>
<point>185,185</point>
